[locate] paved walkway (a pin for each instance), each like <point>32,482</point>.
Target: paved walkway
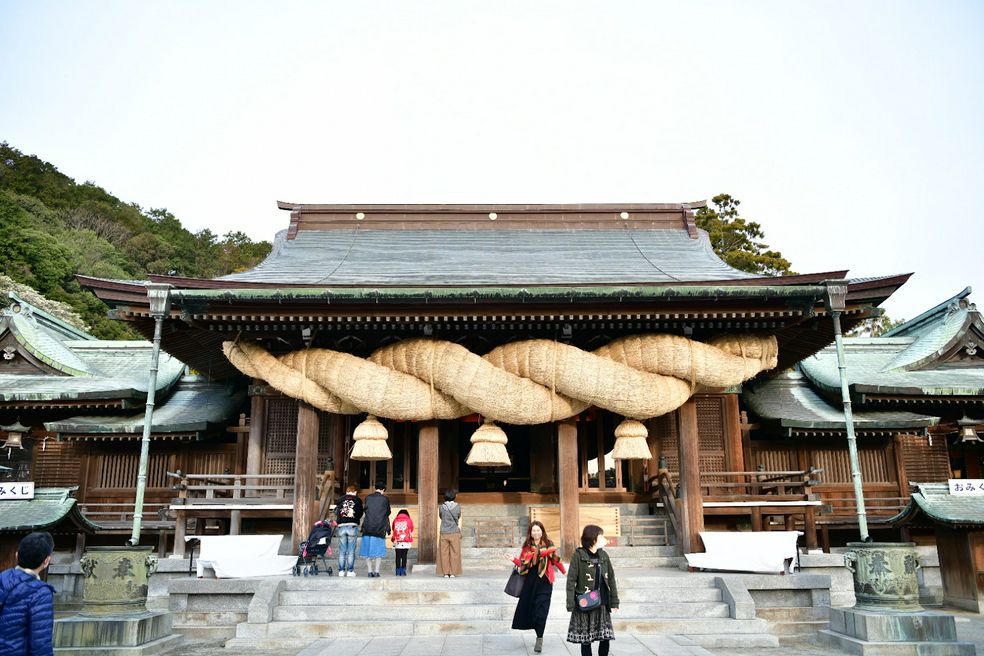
<point>970,628</point>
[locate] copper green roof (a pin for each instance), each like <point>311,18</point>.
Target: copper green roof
<point>916,359</point>
<point>933,502</point>
<point>805,293</point>
<point>51,509</point>
<point>195,406</point>
<point>86,368</point>
<point>788,401</point>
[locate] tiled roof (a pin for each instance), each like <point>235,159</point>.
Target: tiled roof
<point>427,257</point>
<point>50,508</point>
<point>789,400</point>
<point>93,369</point>
<point>194,406</point>
<point>910,361</point>
<point>934,502</point>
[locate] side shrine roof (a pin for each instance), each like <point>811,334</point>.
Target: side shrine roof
<point>51,509</point>
<point>789,401</point>
<point>45,360</point>
<point>933,502</point>
<point>195,406</point>
<point>940,353</point>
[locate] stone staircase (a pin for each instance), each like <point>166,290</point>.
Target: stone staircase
<point>656,598</point>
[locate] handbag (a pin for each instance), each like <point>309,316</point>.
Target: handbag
<point>588,601</point>
<point>515,583</point>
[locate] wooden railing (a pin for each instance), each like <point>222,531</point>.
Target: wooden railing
<point>226,497</point>
<point>765,485</point>
<point>665,491</point>
<point>116,517</point>
<point>757,495</point>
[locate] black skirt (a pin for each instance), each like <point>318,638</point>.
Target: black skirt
<point>593,626</point>
<point>534,603</point>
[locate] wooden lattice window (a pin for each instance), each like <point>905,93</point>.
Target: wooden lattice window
<point>710,434</point>
<point>280,436</point>
<point>773,457</point>
<point>925,457</point>
<point>668,433</point>
<point>118,469</point>
<point>57,464</point>
<point>873,458</point>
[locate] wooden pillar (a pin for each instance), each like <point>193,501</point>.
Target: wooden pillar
<point>254,443</point>
<point>427,471</point>
<point>305,473</point>
<point>567,486</point>
<point>810,528</point>
<point>733,447</point>
<point>691,505</point>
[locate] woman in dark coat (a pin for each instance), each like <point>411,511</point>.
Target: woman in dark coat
<point>537,562</point>
<point>591,569</point>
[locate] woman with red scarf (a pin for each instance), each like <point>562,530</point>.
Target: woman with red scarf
<point>537,562</point>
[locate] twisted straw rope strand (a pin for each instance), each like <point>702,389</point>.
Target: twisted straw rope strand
<point>526,382</point>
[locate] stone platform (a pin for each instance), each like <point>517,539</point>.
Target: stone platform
<point>137,634</point>
<point>871,633</point>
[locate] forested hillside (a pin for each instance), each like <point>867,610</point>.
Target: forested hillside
<point>52,228</point>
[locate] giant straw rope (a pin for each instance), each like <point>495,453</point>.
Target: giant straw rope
<point>525,382</point>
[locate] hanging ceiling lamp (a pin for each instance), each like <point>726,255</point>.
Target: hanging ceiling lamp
<point>370,441</point>
<point>630,441</point>
<point>488,447</point>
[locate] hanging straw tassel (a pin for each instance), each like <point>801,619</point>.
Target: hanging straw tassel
<point>488,447</point>
<point>630,441</point>
<point>370,441</point>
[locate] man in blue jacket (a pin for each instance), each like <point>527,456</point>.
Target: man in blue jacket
<point>27,612</point>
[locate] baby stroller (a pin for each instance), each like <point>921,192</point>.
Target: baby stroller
<point>317,545</point>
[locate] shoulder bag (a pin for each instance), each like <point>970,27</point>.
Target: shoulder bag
<point>514,586</point>
<point>588,601</point>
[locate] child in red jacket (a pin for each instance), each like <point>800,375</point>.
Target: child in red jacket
<point>402,540</point>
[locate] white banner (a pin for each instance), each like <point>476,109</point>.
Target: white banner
<point>16,491</point>
<point>967,487</point>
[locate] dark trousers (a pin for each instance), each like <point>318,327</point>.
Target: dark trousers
<point>401,557</point>
<point>602,648</point>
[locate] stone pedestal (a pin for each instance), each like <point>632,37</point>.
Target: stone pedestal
<point>140,634</point>
<point>886,633</point>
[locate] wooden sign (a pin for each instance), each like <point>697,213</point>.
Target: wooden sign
<point>16,491</point>
<point>967,487</point>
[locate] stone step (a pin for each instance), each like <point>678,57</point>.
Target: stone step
<point>734,640</point>
<point>503,610</point>
<point>627,579</point>
<point>619,563</point>
<point>713,630</point>
<point>793,613</point>
<point>445,597</point>
<point>798,629</point>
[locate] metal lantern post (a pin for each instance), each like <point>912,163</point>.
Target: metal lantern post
<point>837,303</point>
<point>159,296</point>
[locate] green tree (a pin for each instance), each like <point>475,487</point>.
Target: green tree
<point>875,327</point>
<point>737,241</point>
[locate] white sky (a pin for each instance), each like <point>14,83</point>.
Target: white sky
<point>851,131</point>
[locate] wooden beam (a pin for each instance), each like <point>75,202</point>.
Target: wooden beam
<point>427,464</point>
<point>254,443</point>
<point>691,504</point>
<point>305,473</point>
<point>567,486</point>
<point>733,447</point>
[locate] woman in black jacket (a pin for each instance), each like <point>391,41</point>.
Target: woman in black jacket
<point>591,569</point>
